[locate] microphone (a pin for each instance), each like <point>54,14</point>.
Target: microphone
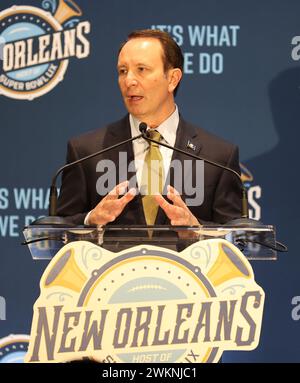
<point>143,128</point>
<point>245,220</point>
<point>53,219</point>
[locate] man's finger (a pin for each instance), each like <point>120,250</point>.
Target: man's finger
<point>172,190</point>
<point>175,197</point>
<point>123,201</point>
<point>172,211</point>
<point>117,190</point>
<point>163,203</point>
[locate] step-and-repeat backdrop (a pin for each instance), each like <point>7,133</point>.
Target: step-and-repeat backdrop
<point>241,82</point>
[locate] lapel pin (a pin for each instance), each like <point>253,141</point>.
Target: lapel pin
<point>190,145</point>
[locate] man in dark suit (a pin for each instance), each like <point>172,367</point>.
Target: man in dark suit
<point>150,66</point>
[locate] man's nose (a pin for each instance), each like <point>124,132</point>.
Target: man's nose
<point>130,79</point>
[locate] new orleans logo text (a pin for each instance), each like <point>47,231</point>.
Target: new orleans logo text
<point>146,303</point>
<point>36,45</point>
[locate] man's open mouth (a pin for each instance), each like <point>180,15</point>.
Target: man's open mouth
<point>135,98</point>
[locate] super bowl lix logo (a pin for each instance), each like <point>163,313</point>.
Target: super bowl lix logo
<point>36,45</point>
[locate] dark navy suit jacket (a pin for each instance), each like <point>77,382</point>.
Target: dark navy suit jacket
<point>222,190</point>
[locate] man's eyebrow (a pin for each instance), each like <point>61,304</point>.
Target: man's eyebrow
<point>142,63</point>
<point>137,64</point>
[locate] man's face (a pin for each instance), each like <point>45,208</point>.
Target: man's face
<point>146,89</point>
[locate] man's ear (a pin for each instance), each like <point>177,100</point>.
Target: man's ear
<point>174,75</point>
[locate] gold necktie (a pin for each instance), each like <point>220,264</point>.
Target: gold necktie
<point>152,178</point>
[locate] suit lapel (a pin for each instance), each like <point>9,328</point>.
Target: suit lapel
<point>116,134</point>
<point>186,139</point>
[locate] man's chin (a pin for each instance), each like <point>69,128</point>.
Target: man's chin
<point>136,112</point>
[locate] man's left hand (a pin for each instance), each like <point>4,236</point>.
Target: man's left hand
<point>178,213</point>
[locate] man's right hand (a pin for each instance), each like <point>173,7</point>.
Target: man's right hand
<point>111,206</point>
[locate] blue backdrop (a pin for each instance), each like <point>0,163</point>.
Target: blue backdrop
<point>242,82</point>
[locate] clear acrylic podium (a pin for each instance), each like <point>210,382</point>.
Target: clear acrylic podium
<point>149,290</point>
<point>256,243</point>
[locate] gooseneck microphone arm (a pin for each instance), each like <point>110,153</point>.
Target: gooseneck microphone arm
<point>53,188</point>
<point>144,132</point>
<point>53,219</point>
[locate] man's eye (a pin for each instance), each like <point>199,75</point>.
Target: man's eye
<point>122,71</point>
<point>141,69</point>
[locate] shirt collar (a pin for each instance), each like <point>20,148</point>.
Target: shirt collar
<point>167,128</point>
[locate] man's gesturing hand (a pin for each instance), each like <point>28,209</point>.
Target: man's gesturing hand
<point>111,206</point>
<point>178,213</point>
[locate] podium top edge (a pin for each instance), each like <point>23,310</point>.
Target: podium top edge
<point>259,227</point>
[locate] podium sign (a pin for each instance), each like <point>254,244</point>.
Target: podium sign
<point>146,304</point>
